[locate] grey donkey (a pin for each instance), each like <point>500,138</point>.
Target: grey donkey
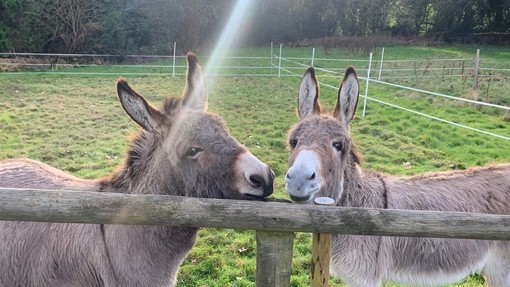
<point>325,162</point>
<point>182,150</point>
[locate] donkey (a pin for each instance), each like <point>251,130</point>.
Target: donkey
<point>182,150</point>
<point>324,162</point>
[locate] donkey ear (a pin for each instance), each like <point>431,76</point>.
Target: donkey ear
<point>195,93</point>
<point>308,96</point>
<point>142,112</point>
<point>347,96</point>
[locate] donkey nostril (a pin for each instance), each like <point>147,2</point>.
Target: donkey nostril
<point>312,177</point>
<point>256,181</point>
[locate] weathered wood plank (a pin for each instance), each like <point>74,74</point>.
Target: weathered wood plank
<point>107,208</point>
<point>274,258</point>
<point>321,251</point>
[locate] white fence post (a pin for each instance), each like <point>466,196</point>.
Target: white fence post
<point>380,66</point>
<point>477,67</point>
<point>271,58</point>
<point>280,61</point>
<point>173,65</point>
<point>313,56</point>
<point>366,86</point>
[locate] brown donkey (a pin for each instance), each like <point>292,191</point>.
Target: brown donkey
<point>182,150</point>
<point>324,162</point>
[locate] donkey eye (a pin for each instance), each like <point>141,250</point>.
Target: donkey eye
<point>338,146</point>
<point>193,152</point>
<point>293,143</point>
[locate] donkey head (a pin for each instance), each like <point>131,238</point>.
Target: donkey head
<point>184,150</point>
<point>321,148</point>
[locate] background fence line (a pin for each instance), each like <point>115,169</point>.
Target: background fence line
<point>442,95</point>
<point>429,116</point>
<point>404,87</point>
<point>368,79</point>
<point>287,67</point>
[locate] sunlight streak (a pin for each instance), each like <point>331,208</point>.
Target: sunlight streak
<point>237,21</point>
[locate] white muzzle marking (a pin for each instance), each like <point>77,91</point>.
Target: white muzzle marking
<point>302,181</point>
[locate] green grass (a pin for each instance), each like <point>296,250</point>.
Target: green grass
<point>75,123</point>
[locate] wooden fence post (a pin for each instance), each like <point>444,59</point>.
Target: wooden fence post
<point>321,249</point>
<point>274,258</point>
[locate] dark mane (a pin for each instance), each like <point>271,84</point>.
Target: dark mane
<point>356,155</point>
<point>141,149</point>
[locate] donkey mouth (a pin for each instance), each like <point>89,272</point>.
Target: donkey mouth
<point>254,197</point>
<point>299,199</point>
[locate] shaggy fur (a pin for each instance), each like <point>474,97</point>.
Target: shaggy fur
<point>324,162</point>
<point>182,150</point>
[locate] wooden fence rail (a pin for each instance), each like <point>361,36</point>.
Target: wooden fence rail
<point>274,221</point>
<point>114,208</point>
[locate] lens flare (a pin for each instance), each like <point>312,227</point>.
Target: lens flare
<point>238,19</point>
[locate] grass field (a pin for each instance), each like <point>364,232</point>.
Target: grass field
<point>75,123</point>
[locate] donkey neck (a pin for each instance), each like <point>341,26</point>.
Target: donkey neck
<point>161,249</point>
<point>141,172</point>
<point>362,188</point>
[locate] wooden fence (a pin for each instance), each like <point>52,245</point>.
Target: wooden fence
<point>274,222</point>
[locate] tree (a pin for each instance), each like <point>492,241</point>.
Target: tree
<point>126,29</point>
<point>71,24</point>
<point>357,17</point>
<point>275,21</point>
<point>9,10</point>
<point>462,17</point>
<point>151,26</point>
<point>412,17</point>
<point>198,15</point>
